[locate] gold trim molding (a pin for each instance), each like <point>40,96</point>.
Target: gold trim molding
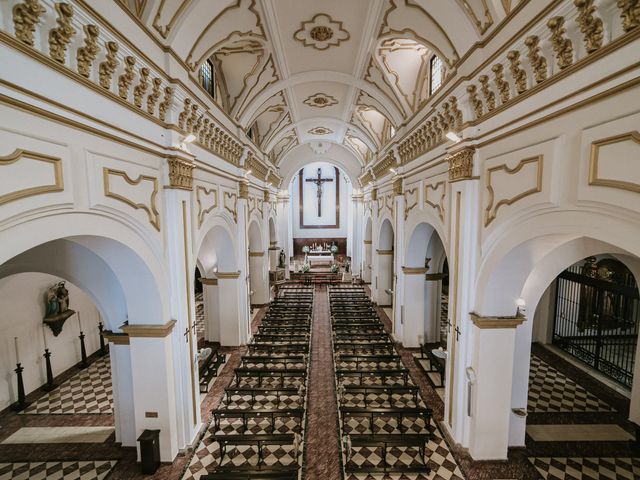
<point>256,254</point>
<point>321,32</point>
<point>461,164</point>
<point>208,281</point>
<point>206,192</point>
<point>439,207</point>
<point>149,331</point>
<point>180,173</point>
<point>368,242</point>
<point>320,100</point>
<point>19,154</point>
<point>384,252</point>
<point>414,270</point>
<point>116,338</point>
<point>492,211</point>
<point>594,179</point>
<point>434,277</point>
<point>233,211</point>
<point>497,322</point>
<point>152,211</point>
<point>227,275</point>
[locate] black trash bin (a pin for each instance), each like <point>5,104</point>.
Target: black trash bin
<point>149,451</point>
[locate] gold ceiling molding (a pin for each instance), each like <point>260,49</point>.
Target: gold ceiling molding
<point>492,211</point>
<point>164,30</point>
<point>595,179</point>
<point>439,205</point>
<point>230,203</point>
<point>488,19</point>
<point>57,184</point>
<point>245,80</point>
<point>269,71</point>
<point>320,100</point>
<point>382,168</point>
<point>408,207</point>
<point>151,209</point>
<point>375,77</point>
<point>136,7</point>
<point>180,173</point>
<point>496,322</point>
<point>258,169</point>
<point>149,331</point>
<point>321,32</point>
<point>461,164</point>
<point>367,242</point>
<point>203,192</point>
<point>320,131</point>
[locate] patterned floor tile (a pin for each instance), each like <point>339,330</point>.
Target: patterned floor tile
<point>552,391</point>
<point>89,391</point>
<point>565,468</point>
<point>82,470</point>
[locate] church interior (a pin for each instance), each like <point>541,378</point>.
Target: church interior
<point>319,240</point>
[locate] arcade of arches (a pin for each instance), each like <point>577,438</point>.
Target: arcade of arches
<point>286,239</point>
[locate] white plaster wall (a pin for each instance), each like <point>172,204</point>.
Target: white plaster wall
<point>21,297</point>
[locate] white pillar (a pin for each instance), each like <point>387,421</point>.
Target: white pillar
<point>384,277</point>
<point>244,317</point>
<point>520,384</point>
<point>367,263</point>
<point>414,310</point>
<point>284,233</point>
<point>490,408</point>
<point>122,385</point>
<point>398,260</point>
<point>431,319</point>
<point>358,232</point>
<point>211,301</point>
<point>259,276</point>
<point>231,326</point>
<point>274,252</point>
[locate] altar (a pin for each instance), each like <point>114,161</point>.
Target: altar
<point>319,258</point>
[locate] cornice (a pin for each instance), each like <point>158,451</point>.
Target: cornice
<point>149,331</point>
<point>497,322</point>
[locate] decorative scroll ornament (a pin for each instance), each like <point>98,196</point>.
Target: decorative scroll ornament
<point>397,187</point>
<point>321,32</point>
<point>243,190</point>
<point>518,73</point>
<point>501,84</point>
<point>320,131</point>
<point>180,173</point>
<point>457,113</point>
<point>538,62</point>
<point>166,103</point>
<point>476,103</point>
<point>461,165</point>
<point>87,53</point>
<point>590,25</point>
<point>153,97</point>
<point>26,16</point>
<point>489,96</point>
<point>562,46</point>
<point>192,118</point>
<point>108,67</point>
<point>140,89</point>
<point>182,118</point>
<point>630,14</point>
<point>60,36</point>
<point>320,100</point>
<point>126,79</point>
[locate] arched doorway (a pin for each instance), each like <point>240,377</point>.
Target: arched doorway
<point>258,267</point>
<point>425,288</point>
<point>367,248</point>
<point>274,249</point>
<point>385,267</point>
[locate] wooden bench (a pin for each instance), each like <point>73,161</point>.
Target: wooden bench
<point>209,369</point>
<point>220,414</point>
<point>271,473</point>
<point>281,375</point>
<point>368,359</point>
<point>270,348</point>
<point>379,412</point>
<point>265,361</point>
<point>264,391</point>
<point>384,441</point>
<point>383,375</point>
<point>254,440</point>
<point>387,348</point>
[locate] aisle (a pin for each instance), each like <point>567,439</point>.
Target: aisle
<point>322,450</point>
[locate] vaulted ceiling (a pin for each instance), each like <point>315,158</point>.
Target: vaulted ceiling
<point>346,72</point>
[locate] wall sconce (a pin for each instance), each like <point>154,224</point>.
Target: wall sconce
<point>388,291</point>
<point>393,170</point>
<point>247,173</point>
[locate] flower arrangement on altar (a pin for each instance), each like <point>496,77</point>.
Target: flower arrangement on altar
<point>305,249</point>
<point>335,268</point>
<point>334,249</point>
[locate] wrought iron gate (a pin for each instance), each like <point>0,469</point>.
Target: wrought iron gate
<point>597,314</point>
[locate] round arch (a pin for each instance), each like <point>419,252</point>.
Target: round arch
<point>337,156</point>
<point>255,237</point>
<point>385,235</point>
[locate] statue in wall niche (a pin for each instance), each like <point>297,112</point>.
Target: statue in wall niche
<point>282,259</point>
<point>57,307</point>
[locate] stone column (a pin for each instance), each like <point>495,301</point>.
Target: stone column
<point>414,289</point>
<point>244,317</point>
<point>259,283</point>
<point>384,276</point>
<point>358,232</point>
<point>398,260</point>
<point>274,252</point>
<point>211,301</point>
<point>232,329</point>
<point>122,385</point>
<point>489,402</point>
<point>432,293</point>
<point>181,267</point>
<point>367,262</point>
<point>282,209</point>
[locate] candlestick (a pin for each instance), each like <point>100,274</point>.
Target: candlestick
<point>103,349</point>
<point>44,337</point>
<point>79,322</point>
<point>15,341</point>
<point>21,404</point>
<point>83,351</point>
<point>49,385</point>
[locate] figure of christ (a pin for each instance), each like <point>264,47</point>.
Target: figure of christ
<point>319,181</point>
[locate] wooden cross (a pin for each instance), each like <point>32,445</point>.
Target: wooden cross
<point>319,181</point>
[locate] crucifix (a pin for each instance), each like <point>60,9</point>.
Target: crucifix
<point>319,181</point>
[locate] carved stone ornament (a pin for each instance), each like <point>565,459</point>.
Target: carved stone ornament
<point>562,46</point>
<point>26,16</point>
<point>476,103</point>
<point>489,96</point>
<point>60,36</point>
<point>321,32</point>
<point>590,25</point>
<point>108,67</point>
<point>320,131</point>
<point>243,190</point>
<point>518,73</point>
<point>538,62</point>
<point>397,187</point>
<point>461,165</point>
<point>140,89</point>
<point>153,97</point>
<point>456,112</point>
<point>630,14</point>
<point>501,84</point>
<point>87,53</point>
<point>57,309</point>
<point>182,118</point>
<point>166,103</point>
<point>320,100</point>
<point>180,173</point>
<point>126,79</point>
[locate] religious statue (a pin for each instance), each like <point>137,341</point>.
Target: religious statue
<point>57,307</point>
<point>283,259</point>
<point>318,182</point>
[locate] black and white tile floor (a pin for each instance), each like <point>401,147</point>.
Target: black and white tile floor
<point>80,470</point>
<point>596,468</point>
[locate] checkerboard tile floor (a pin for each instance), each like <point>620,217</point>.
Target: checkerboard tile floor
<point>87,392</point>
<point>199,316</point>
<point>85,470</point>
<point>563,468</point>
<point>552,391</point>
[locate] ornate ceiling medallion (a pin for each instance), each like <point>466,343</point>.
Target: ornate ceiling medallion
<point>320,100</point>
<point>320,131</point>
<point>321,32</point>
